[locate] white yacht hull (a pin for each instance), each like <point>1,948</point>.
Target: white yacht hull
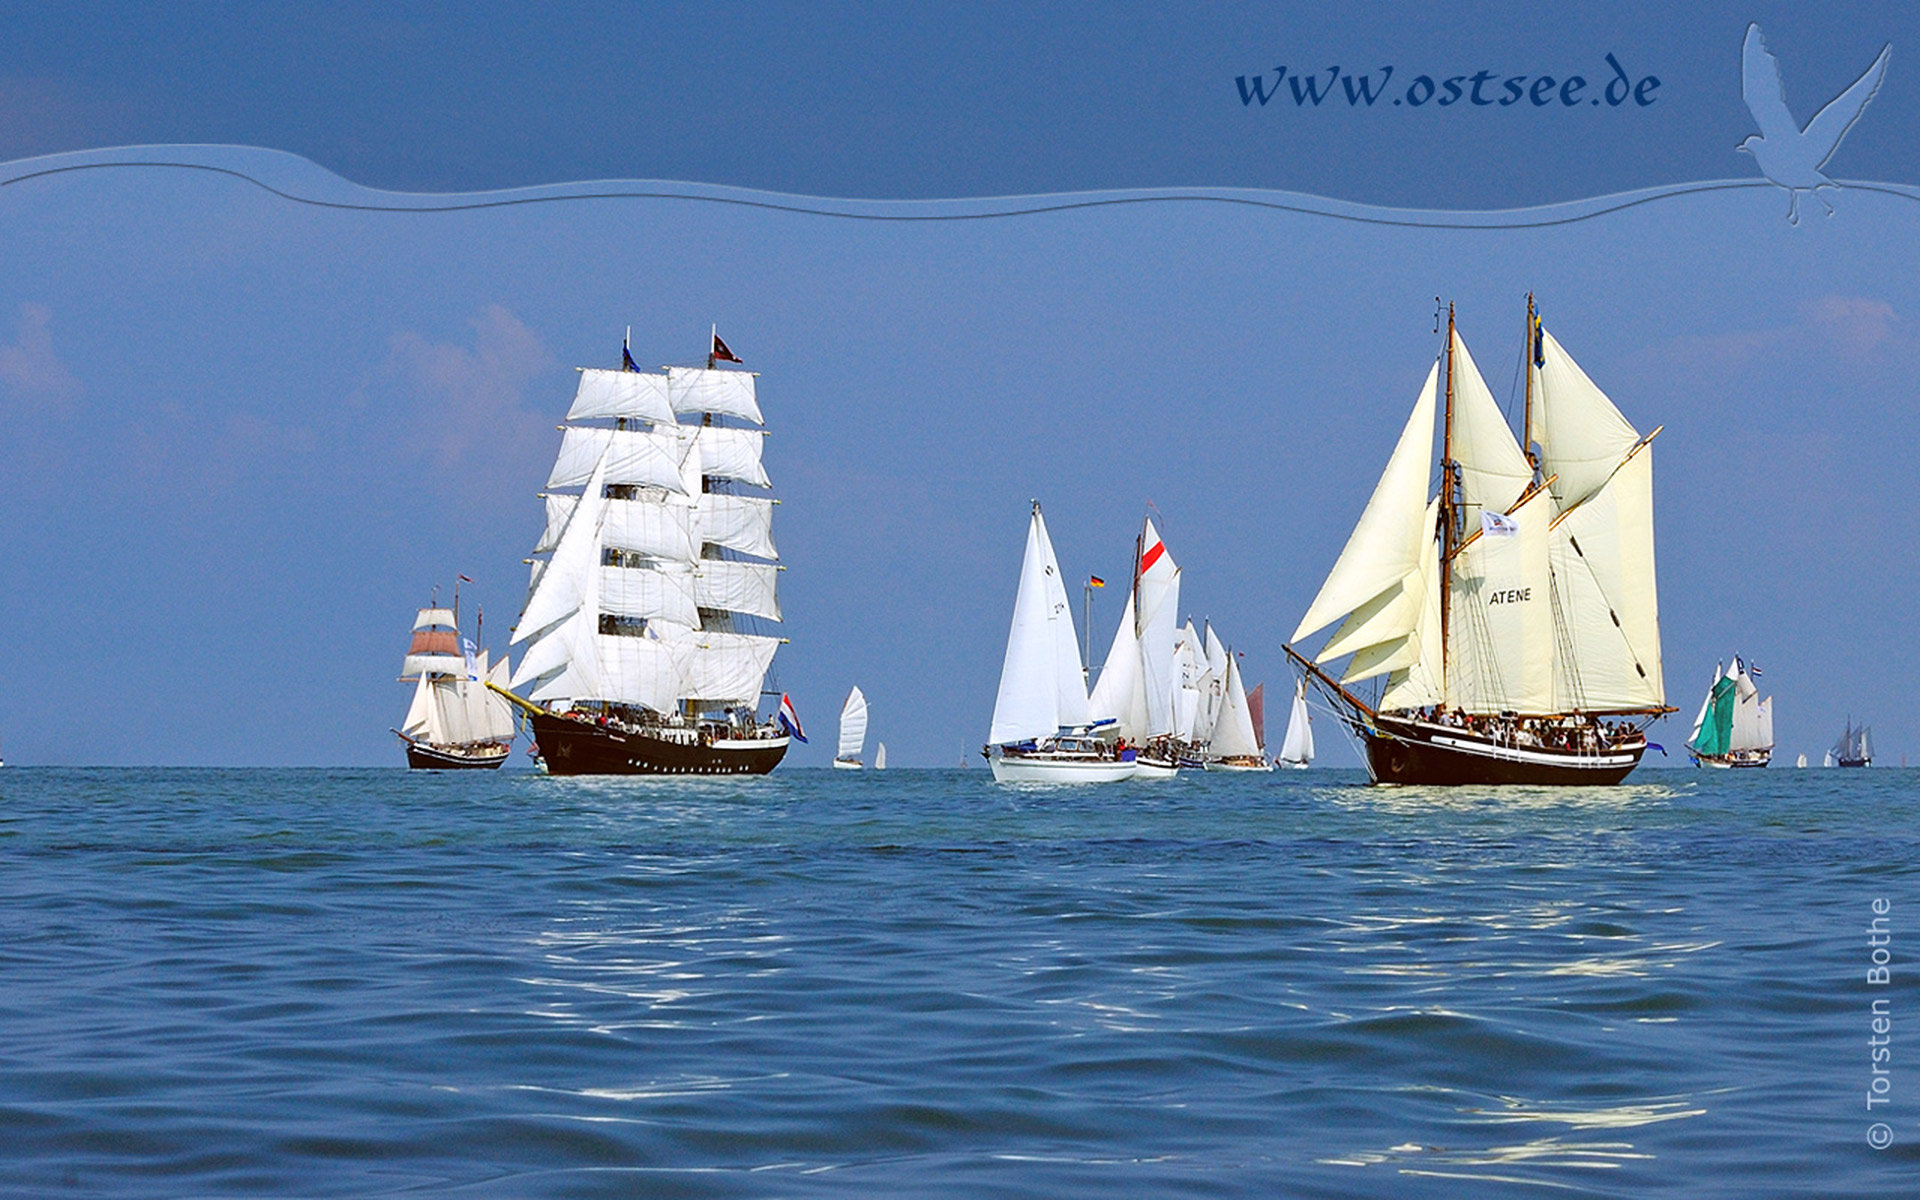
<point>843,764</point>
<point>1032,768</point>
<point>1227,766</point>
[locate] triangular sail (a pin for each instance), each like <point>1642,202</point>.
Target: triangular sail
<point>1156,591</point>
<point>1119,694</point>
<point>880,757</point>
<point>1041,671</point>
<point>1385,545</point>
<point>1493,471</point>
<point>1581,435</point>
<point>1233,736</point>
<point>1298,747</point>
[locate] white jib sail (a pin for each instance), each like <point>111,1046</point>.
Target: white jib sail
<point>1298,746</point>
<point>880,757</point>
<point>1386,544</point>
<point>853,726</point>
<point>420,711</point>
<point>1233,735</point>
<point>1028,704</point>
<point>1118,695</point>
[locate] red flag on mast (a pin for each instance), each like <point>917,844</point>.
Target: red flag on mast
<point>721,353</point>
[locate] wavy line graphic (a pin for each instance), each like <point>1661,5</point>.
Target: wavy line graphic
<point>302,181</point>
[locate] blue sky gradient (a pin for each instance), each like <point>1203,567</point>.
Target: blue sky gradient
<point>247,435</point>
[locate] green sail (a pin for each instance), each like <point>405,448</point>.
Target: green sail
<point>1716,732</point>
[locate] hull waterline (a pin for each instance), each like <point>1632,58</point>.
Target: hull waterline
<point>1419,753</point>
<point>572,747</point>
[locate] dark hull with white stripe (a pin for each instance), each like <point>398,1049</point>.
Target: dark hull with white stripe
<point>572,747</point>
<point>423,757</point>
<point>1402,751</point>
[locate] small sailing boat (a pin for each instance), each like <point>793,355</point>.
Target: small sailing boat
<point>880,757</point>
<point>1041,731</point>
<point>1514,613</point>
<point>641,651</point>
<point>1801,761</point>
<point>1854,749</point>
<point>1137,697</point>
<point>1297,750</point>
<point>1735,725</point>
<point>853,731</point>
<point>454,722</point>
<point>1233,746</point>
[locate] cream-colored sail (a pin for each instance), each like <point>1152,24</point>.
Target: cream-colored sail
<point>1500,636</point>
<point>1422,680</point>
<point>1581,435</point>
<point>1493,471</point>
<point>1606,595</point>
<point>727,393</point>
<point>1385,545</point>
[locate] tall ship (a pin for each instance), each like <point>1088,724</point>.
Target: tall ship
<point>1854,749</point>
<point>1042,730</point>
<point>1512,610</point>
<point>1735,725</point>
<point>643,650</point>
<point>454,722</point>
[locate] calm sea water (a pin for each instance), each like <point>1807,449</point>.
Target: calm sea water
<point>917,983</point>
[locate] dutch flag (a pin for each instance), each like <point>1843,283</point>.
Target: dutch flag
<point>789,719</point>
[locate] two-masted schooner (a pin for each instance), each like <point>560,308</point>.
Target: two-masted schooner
<point>454,722</point>
<point>1735,725</point>
<point>1512,610</point>
<point>640,646</point>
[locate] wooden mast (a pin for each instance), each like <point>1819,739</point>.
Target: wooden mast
<point>1530,357</point>
<point>1447,509</point>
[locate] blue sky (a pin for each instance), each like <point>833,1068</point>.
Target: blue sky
<point>246,436</point>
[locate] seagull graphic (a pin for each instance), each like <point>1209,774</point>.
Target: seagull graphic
<point>1787,154</point>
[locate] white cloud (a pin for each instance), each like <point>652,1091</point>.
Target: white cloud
<point>32,373</point>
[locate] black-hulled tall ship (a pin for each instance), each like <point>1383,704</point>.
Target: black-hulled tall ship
<point>1513,612</point>
<point>454,722</point>
<point>641,650</point>
<point>1854,749</point>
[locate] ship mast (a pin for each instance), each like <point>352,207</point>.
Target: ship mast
<point>1449,513</point>
<point>1530,352</point>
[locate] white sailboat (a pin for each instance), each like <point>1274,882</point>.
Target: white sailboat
<point>1297,750</point>
<point>853,731</point>
<point>1234,745</point>
<point>454,722</point>
<point>880,757</point>
<point>1801,761</point>
<point>1040,731</point>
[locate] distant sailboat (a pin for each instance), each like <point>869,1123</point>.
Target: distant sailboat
<point>1297,750</point>
<point>880,757</point>
<point>1735,725</point>
<point>1855,747</point>
<point>1040,731</point>
<point>1801,761</point>
<point>454,722</point>
<point>1233,746</point>
<point>853,731</point>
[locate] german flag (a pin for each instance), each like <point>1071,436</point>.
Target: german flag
<point>1096,581</point>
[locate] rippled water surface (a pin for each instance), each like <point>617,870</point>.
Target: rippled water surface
<point>346,983</point>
